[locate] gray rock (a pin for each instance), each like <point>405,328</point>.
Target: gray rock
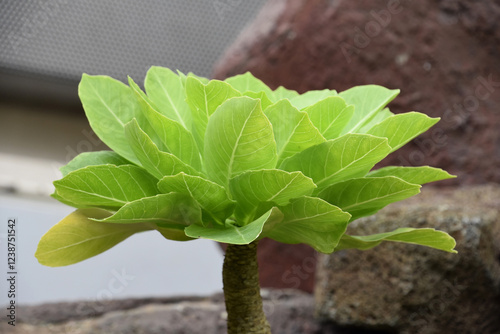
<point>65,311</point>
<point>414,289</point>
<point>288,311</point>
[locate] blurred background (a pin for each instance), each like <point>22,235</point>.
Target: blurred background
<point>45,46</point>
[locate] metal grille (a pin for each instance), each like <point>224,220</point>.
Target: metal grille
<point>62,39</point>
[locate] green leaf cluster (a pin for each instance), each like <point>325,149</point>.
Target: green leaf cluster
<point>235,161</point>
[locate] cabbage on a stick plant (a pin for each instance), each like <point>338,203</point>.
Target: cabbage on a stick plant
<point>235,162</point>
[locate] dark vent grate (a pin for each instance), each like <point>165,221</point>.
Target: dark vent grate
<point>60,39</point>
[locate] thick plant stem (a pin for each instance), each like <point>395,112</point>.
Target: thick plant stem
<point>240,275</point>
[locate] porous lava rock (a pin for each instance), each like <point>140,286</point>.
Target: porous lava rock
<point>414,289</point>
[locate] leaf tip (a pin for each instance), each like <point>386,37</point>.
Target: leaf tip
<point>435,119</point>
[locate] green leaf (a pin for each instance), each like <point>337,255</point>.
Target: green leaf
<point>166,90</point>
<point>77,238</point>
<point>93,158</point>
<point>202,79</point>
<point>173,234</point>
<point>368,100</point>
<point>379,117</point>
<point>252,188</point>
<point>247,82</point>
<point>174,137</point>
<point>204,99</point>
<point>349,156</point>
<point>330,116</point>
<point>106,186</point>
<point>109,105</point>
<point>156,162</point>
<point>312,221</point>
<point>229,233</point>
<point>311,97</point>
<point>239,137</point>
<point>415,175</point>
<point>174,211</point>
<point>283,93</point>
<point>183,78</point>
<point>425,237</point>
<point>365,196</point>
<point>210,196</point>
<point>264,100</point>
<point>65,201</point>
<point>402,128</point>
<point>146,108</point>
<point>293,131</point>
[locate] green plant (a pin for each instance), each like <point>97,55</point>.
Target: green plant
<point>235,162</point>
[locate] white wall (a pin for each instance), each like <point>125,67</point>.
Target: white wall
<point>145,265</point>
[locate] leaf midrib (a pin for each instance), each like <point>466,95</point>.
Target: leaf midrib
<point>326,179</point>
<point>283,189</point>
<point>332,123</point>
<point>181,120</point>
<point>287,141</point>
<point>97,93</point>
<point>376,199</point>
<point>149,219</point>
<point>93,194</point>
<point>233,153</point>
<point>86,240</point>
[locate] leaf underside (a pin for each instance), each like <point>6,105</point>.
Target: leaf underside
<point>233,234</point>
<point>77,238</point>
<point>425,236</point>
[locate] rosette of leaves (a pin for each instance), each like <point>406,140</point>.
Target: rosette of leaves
<point>234,161</point>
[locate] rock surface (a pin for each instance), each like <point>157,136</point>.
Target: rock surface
<point>288,312</point>
<point>413,289</point>
<point>443,55</point>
